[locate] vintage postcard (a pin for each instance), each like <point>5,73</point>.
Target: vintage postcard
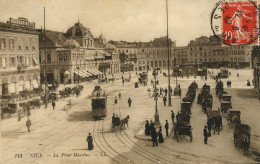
<point>129,81</point>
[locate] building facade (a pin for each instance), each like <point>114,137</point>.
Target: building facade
<point>147,55</point>
<point>75,54</point>
<point>19,56</point>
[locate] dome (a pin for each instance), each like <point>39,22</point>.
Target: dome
<point>78,30</point>
<point>102,39</point>
<point>71,43</point>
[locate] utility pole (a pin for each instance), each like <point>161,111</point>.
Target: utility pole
<point>45,68</point>
<point>169,81</point>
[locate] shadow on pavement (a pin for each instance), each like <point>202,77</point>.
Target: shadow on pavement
<point>80,116</point>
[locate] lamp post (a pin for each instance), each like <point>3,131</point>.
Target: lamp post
<point>57,68</point>
<point>78,67</point>
<point>156,116</point>
<point>168,48</point>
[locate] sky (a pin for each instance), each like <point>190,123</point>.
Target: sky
<point>129,20</point>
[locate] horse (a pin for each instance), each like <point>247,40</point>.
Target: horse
<point>124,121</point>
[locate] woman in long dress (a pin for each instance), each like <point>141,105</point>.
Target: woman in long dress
<point>161,140</point>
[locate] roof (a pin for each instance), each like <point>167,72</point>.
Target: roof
<point>53,38</point>
<point>78,30</point>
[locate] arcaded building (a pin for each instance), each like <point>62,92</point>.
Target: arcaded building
<point>75,54</point>
<point>19,56</point>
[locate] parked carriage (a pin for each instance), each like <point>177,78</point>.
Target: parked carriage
<point>223,72</point>
<point>99,103</point>
<point>186,108</point>
<point>143,78</point>
<point>182,127</point>
<point>214,117</point>
<point>52,96</point>
<point>202,72</point>
<point>177,91</point>
<point>242,136</point>
<point>225,106</point>
<point>233,117</point>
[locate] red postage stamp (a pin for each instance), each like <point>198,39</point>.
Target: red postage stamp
<point>239,23</point>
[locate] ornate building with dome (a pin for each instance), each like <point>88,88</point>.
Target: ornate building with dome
<point>76,55</point>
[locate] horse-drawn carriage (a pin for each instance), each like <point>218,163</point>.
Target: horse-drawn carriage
<point>143,78</point>
<point>186,107</point>
<point>182,127</point>
<point>242,136</point>
<point>226,97</point>
<point>117,123</point>
<point>177,91</point>
<point>225,106</point>
<point>233,117</point>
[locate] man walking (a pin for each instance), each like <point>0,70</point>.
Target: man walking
<point>209,126</point>
<point>166,127</point>
<point>53,104</point>
<point>154,137</point>
<point>129,102</point>
<point>205,133</point>
<point>172,117</point>
<point>28,124</point>
<point>164,100</point>
<point>165,91</point>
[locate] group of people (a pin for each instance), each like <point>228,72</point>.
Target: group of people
<point>151,131</point>
<point>129,101</point>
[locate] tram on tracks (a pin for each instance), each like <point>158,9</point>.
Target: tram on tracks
<point>99,103</point>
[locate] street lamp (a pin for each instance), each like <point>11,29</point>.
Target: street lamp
<point>156,116</point>
<point>78,67</point>
<point>57,68</point>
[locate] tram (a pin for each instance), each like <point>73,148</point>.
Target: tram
<point>99,103</point>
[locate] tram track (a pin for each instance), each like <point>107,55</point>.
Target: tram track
<point>106,147</point>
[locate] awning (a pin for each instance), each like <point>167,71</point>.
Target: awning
<point>81,73</point>
<point>87,73</point>
<point>11,88</point>
<point>27,85</point>
<point>95,72</point>
<point>35,84</point>
<point>35,61</point>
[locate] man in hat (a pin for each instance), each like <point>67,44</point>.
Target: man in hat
<point>90,142</point>
<point>205,133</point>
<point>172,117</point>
<point>166,127</point>
<point>28,124</point>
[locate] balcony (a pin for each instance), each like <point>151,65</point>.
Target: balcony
<point>21,67</point>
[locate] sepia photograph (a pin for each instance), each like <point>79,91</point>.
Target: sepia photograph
<point>129,82</point>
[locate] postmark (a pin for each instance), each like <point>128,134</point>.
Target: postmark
<point>236,23</point>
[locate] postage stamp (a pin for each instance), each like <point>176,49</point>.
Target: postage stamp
<point>236,23</point>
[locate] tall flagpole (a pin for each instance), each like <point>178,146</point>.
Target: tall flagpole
<point>169,82</point>
<point>45,68</point>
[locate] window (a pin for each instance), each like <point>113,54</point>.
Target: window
<point>12,62</point>
<point>143,62</point>
<point>3,43</point>
<point>60,57</point>
<point>151,63</point>
<point>48,58</point>
<point>33,47</point>
<point>142,50</point>
<point>65,57</point>
<point>4,62</point>
<point>11,44</point>
<point>90,42</point>
<point>140,62</point>
<point>26,47</point>
<point>200,48</point>
<point>126,51</point>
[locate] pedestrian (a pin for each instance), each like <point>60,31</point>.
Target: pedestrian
<point>164,100</point>
<point>217,126</point>
<point>69,103</point>
<point>151,127</point>
<point>157,82</point>
<point>209,126</point>
<point>154,137</point>
<point>198,99</point>
<point>237,74</point>
<point>115,100</point>
<point>53,104</point>
<point>19,115</point>
<point>161,140</point>
<point>205,133</point>
<point>123,81</point>
<point>129,102</point>
<point>165,90</point>
<point>119,95</point>
<point>206,78</point>
<point>28,111</point>
<point>160,91</point>
<point>28,124</point>
<point>166,127</point>
<point>172,117</point>
<point>147,128</point>
<point>90,142</point>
